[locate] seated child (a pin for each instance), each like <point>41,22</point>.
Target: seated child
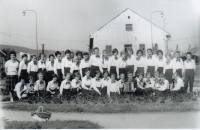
<point>121,83</point>
<point>156,79</point>
<point>113,88</point>
<point>20,89</point>
<point>96,82</point>
<point>178,84</point>
<point>76,84</point>
<point>105,83</point>
<point>149,81</point>
<point>75,66</point>
<point>40,86</point>
<point>130,85</point>
<point>162,85</point>
<point>65,85</point>
<point>52,87</point>
<point>30,86</point>
<point>87,83</point>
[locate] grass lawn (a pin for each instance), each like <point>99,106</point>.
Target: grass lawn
<point>51,125</point>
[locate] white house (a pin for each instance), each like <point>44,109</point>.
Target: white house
<point>129,30</point>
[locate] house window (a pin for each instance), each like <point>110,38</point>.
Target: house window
<point>142,47</point>
<point>155,48</point>
<point>129,27</point>
<point>127,46</point>
<point>109,49</point>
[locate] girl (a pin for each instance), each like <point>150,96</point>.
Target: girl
<point>131,62</point>
<point>96,83</point>
<point>113,62</point>
<point>121,83</point>
<point>178,84</point>
<point>140,62</point>
<point>84,64</point>
<point>50,67</point>
<point>42,66</point>
<point>105,83</point>
<point>79,55</point>
<point>130,85</point>
<point>162,85</point>
<point>151,62</point>
<point>160,61</point>
<point>66,85</point>
<point>21,89</point>
<point>140,85</point>
<point>121,65</point>
<point>11,68</point>
<point>76,84</point>
<point>95,62</point>
<point>86,83</point>
<point>52,87</point>
<point>105,61</point>
<point>113,88</point>
<point>168,68</point>
<point>66,63</point>
<point>75,67</point>
<point>40,86</point>
<point>178,64</point>
<point>58,66</point>
<point>22,72</point>
<point>149,81</point>
<point>33,68</point>
<point>30,87</point>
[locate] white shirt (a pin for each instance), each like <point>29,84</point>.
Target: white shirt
<point>96,83</point>
<point>113,61</point>
<point>52,86</point>
<point>161,62</point>
<point>49,67</point>
<point>41,65</point>
<point>66,64</point>
<point>17,90</point>
<point>95,61</point>
<point>66,84</point>
<point>189,64</point>
<point>30,87</point>
<point>75,83</point>
<point>163,87</point>
<point>32,67</point>
<point>178,85</point>
<point>131,60</point>
<point>178,64</point>
<point>105,82</point>
<point>22,66</point>
<point>169,65</point>
<point>121,83</point>
<point>121,63</point>
<point>86,82</point>
<point>39,86</point>
<point>57,65</point>
<point>11,67</point>
<point>140,83</point>
<point>149,83</point>
<point>74,67</point>
<point>140,62</point>
<point>151,61</point>
<point>113,87</point>
<point>105,64</point>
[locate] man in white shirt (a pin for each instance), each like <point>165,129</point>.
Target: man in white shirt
<point>178,84</point>
<point>33,68</point>
<point>178,64</point>
<point>190,67</point>
<point>21,89</point>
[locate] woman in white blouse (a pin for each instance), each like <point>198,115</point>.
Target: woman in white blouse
<point>50,67</point>
<point>96,83</point>
<point>22,72</point>
<point>42,66</point>
<point>113,61</point>
<point>86,83</point>
<point>121,64</point>
<point>140,62</point>
<point>105,83</point>
<point>75,66</point>
<point>105,61</point>
<point>161,60</point>
<point>66,63</point>
<point>84,64</point>
<point>131,61</point>
<point>151,62</point>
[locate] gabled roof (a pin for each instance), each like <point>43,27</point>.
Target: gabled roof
<point>136,14</point>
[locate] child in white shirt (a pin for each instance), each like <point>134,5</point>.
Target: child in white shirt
<point>178,86</point>
<point>121,83</point>
<point>87,83</point>
<point>113,88</point>
<point>66,85</point>
<point>40,86</point>
<point>76,84</point>
<point>105,83</point>
<point>30,87</point>
<point>96,83</point>
<point>21,89</point>
<point>52,87</point>
<point>162,86</point>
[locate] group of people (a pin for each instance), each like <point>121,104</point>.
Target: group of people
<point>97,74</point>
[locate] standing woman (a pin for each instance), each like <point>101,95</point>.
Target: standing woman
<point>113,62</point>
<point>11,68</point>
<point>168,68</point>
<point>105,61</point>
<point>161,60</point>
<point>33,68</point>
<point>42,66</point>
<point>75,66</point>
<point>121,65</point>
<point>58,66</point>
<point>22,72</point>
<point>66,63</point>
<point>50,67</point>
<point>131,62</point>
<point>84,64</point>
<point>140,63</point>
<point>79,55</point>
<point>95,62</point>
<point>151,62</point>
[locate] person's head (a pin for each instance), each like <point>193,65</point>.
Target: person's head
<point>30,79</point>
<point>51,57</point>
<point>149,52</point>
<point>156,74</point>
<point>24,57</point>
<point>148,75</point>
<point>68,53</point>
<point>96,51</point>
<point>139,53</point>
<point>87,72</point>
<point>79,55</point>
<point>115,52</point>
<point>122,76</point>
<point>34,58</point>
<point>98,73</point>
<point>168,56</point>
<point>72,55</point>
<point>58,54</point>
<point>105,53</point>
<point>22,80</point>
<point>86,55</point>
<point>76,59</point>
<point>140,76</point>
<point>77,75</point>
<point>12,55</point>
<point>54,76</point>
<point>130,51</point>
<point>40,76</point>
<point>130,75</point>
<point>42,56</point>
<point>160,53</point>
<point>105,74</point>
<point>177,54</point>
<point>123,54</point>
<point>112,76</point>
<point>175,75</point>
<point>189,55</point>
<point>68,75</point>
<point>162,76</point>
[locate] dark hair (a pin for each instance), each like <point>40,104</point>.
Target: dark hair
<point>112,74</point>
<point>78,53</point>
<point>51,55</point>
<point>24,55</point>
<point>67,52</point>
<point>114,51</point>
<point>77,74</point>
<point>54,76</point>
<point>105,72</point>
<point>188,53</point>
<point>129,73</point>
<point>34,56</point>
<point>30,77</point>
<point>85,53</point>
<point>139,51</point>
<point>87,69</point>
<point>57,53</point>
<point>130,49</point>
<point>160,51</point>
<point>97,71</point>
<point>12,52</point>
<point>96,48</point>
<point>149,49</point>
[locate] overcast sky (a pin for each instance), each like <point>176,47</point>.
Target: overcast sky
<point>66,24</point>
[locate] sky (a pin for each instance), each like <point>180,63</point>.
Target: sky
<point>67,24</point>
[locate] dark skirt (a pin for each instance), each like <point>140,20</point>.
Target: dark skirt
<point>151,69</point>
<point>60,75</point>
<point>140,70</point>
<point>66,70</point>
<point>83,71</point>
<point>11,81</point>
<point>123,70</point>
<point>105,69</point>
<point>113,70</point>
<point>41,93</point>
<point>34,75</point>
<point>179,71</point>
<point>66,92</point>
<point>104,91</point>
<point>74,91</point>
<point>168,75</point>
<point>130,68</point>
<point>50,75</point>
<point>160,70</point>
<point>24,75</point>
<point>92,71</point>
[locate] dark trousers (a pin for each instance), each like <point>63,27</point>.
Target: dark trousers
<point>189,77</point>
<point>60,75</point>
<point>151,69</point>
<point>92,71</point>
<point>160,70</point>
<point>140,70</point>
<point>179,71</point>
<point>104,91</point>
<point>66,70</point>
<point>168,75</point>
<point>49,75</point>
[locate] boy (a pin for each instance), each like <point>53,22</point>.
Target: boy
<point>58,66</point>
<point>52,87</point>
<point>84,64</point>
<point>76,84</point>
<point>66,63</point>
<point>21,89</point>
<point>40,86</point>
<point>105,83</point>
<point>33,68</point>
<point>178,64</point>
<point>66,85</point>
<point>113,88</point>
<point>130,85</point>
<point>178,84</point>
<point>190,67</point>
<point>121,83</point>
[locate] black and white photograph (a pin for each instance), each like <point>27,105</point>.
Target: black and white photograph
<point>99,64</point>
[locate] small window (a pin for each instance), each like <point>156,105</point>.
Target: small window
<point>129,27</point>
